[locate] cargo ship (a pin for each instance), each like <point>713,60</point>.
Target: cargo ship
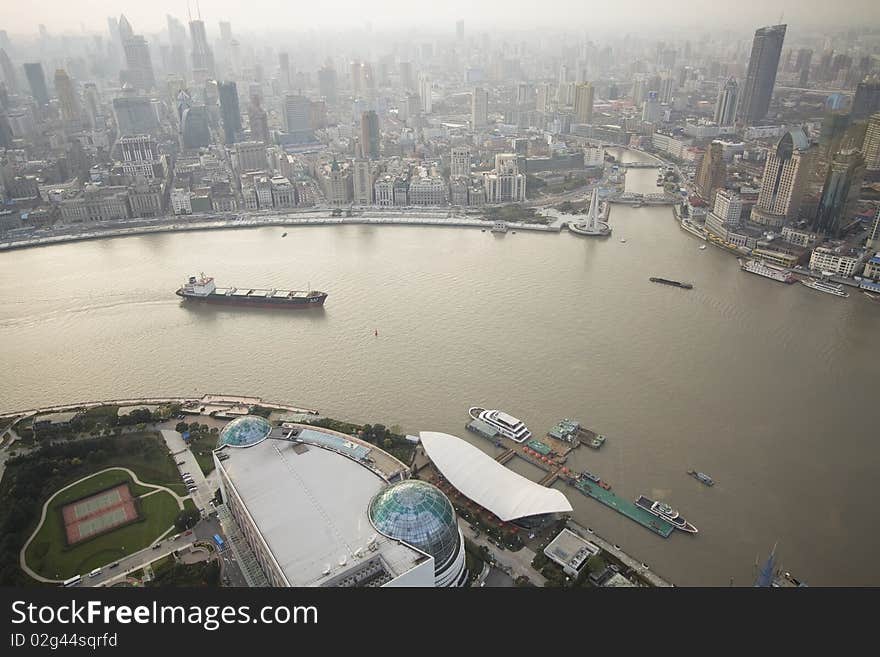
<point>666,281</point>
<point>767,271</point>
<point>202,288</point>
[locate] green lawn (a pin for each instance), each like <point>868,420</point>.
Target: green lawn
<point>49,556</point>
<point>156,466</point>
<point>202,448</point>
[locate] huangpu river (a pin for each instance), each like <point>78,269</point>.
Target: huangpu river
<point>770,389</point>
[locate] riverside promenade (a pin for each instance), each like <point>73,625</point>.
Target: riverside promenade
<point>256,220</point>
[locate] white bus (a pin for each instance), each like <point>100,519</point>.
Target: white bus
<point>73,581</point>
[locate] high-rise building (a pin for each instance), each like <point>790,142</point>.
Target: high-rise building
<point>202,55</point>
<point>67,97</point>
<point>327,82</point>
<point>802,65</point>
<point>139,66</point>
<point>725,106</point>
<point>459,30</point>
<point>284,70</point>
<point>297,116</point>
<point>460,162</point>
<point>354,72</point>
<point>37,82</point>
<point>713,171</point>
<point>8,71</point>
<point>370,135</point>
<point>583,103</point>
<point>651,108</point>
<point>229,111</point>
<point>667,88</point>
<point>479,108</point>
<point>140,157</point>
<point>259,121</point>
<point>761,74</point>
<point>135,115</point>
<point>867,99</point>
<point>543,102</point>
<point>840,194</point>
<point>406,76</point>
<point>250,156</point>
<point>728,208</point>
<point>871,144</point>
<point>194,127</point>
<point>505,183</point>
<point>425,92</point>
<point>873,241</point>
<point>92,103</point>
<point>362,182</point>
<point>786,173</point>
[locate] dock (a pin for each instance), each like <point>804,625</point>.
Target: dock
<point>504,457</point>
<point>623,506</point>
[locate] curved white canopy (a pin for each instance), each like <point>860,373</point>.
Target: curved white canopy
<point>488,483</point>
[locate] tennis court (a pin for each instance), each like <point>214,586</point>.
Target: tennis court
<point>98,513</point>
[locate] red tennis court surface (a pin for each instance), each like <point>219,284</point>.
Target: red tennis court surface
<point>98,513</point>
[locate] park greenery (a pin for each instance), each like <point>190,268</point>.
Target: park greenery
<point>30,479</point>
<point>202,441</point>
<point>514,213</point>
<point>174,573</point>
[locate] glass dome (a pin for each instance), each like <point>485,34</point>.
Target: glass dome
<point>420,514</point>
<point>244,431</point>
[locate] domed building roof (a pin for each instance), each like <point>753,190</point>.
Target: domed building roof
<point>420,514</point>
<point>245,431</point>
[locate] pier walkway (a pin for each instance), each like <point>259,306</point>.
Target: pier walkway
<point>625,507</point>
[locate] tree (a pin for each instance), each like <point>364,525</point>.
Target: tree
<point>387,443</point>
<point>180,427</point>
<point>187,519</point>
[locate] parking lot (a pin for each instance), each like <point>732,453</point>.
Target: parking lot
<point>186,462</point>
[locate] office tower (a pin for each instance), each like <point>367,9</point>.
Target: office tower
<point>202,56</point>
<point>225,33</point>
<point>37,82</point>
<point>867,98</point>
<point>297,116</point>
<point>479,108</point>
<point>583,103</point>
<point>786,172</point>
<point>725,106</point>
<point>194,127</point>
<point>139,66</point>
<point>284,70</point>
<point>406,77</point>
<point>667,88</point>
<point>124,28</point>
<point>177,37</point>
<point>327,82</point>
<point>802,65</point>
<point>460,162</point>
<point>370,135</point>
<point>840,194</point>
<point>761,74</point>
<point>362,182</point>
<point>640,90</point>
<point>229,111</point>
<point>92,103</point>
<point>651,108</point>
<point>259,121</point>
<point>354,70</point>
<point>832,133</point>
<point>425,92</point>
<point>713,171</point>
<point>8,72</point>
<point>459,30</point>
<point>505,183</point>
<point>250,156</point>
<point>871,144</point>
<point>67,98</point>
<point>135,115</point>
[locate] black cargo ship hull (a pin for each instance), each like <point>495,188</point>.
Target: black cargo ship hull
<point>666,281</point>
<point>315,301</point>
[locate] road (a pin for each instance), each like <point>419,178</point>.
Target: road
<point>519,562</point>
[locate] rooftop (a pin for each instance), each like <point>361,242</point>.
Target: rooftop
<point>311,506</point>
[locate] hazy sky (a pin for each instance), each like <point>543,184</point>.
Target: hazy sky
<point>149,15</point>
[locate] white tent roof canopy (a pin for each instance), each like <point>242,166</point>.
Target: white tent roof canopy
<point>488,483</point>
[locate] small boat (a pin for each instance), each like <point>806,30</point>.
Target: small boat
<point>702,477</point>
<point>702,246</point>
<point>827,287</point>
<point>284,235</point>
<point>623,240</point>
<point>872,297</point>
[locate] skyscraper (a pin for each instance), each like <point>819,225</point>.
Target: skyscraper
<point>479,108</point>
<point>712,172</point>
<point>327,82</point>
<point>840,194</point>
<point>651,108</point>
<point>284,70</point>
<point>802,65</point>
<point>871,145</point>
<point>8,72</point>
<point>725,106</point>
<point>425,92</point>
<point>459,30</point>
<point>138,65</point>
<point>370,135</point>
<point>761,74</point>
<point>786,172</point>
<point>67,98</point>
<point>406,77</point>
<point>194,127</point>
<point>583,103</point>
<point>229,111</point>
<point>297,116</point>
<point>867,98</point>
<point>37,82</point>
<point>259,121</point>
<point>202,56</point>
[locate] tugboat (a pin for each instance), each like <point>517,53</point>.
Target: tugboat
<point>284,235</point>
<point>666,281</point>
<point>665,512</point>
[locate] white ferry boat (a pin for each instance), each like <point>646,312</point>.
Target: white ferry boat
<point>507,425</point>
<point>825,286</point>
<point>666,512</point>
<point>767,271</point>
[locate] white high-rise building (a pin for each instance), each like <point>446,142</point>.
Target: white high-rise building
<point>785,176</point>
<point>505,183</point>
<point>425,92</point>
<point>725,107</point>
<point>479,108</point>
<point>460,162</point>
